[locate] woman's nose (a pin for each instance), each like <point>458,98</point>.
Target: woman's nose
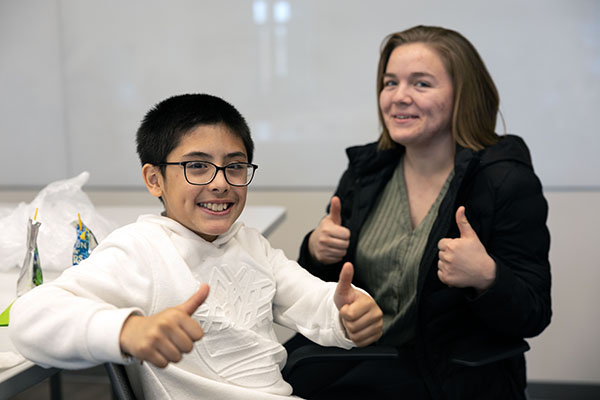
<point>402,94</point>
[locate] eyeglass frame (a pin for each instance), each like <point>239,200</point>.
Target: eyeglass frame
<point>218,168</point>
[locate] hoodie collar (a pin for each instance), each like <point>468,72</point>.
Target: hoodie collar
<point>175,229</point>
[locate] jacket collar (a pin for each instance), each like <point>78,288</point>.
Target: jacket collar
<point>368,159</point>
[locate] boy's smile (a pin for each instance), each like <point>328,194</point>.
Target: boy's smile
<point>208,210</point>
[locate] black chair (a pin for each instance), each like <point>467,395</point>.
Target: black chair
<point>119,381</point>
<point>311,367</point>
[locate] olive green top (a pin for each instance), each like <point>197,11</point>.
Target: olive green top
<point>389,253</point>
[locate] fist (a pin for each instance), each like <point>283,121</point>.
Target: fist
<point>329,242</point>
<point>464,261</point>
<point>166,336</point>
<point>361,316</point>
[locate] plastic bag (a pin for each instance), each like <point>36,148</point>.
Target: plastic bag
<point>58,204</point>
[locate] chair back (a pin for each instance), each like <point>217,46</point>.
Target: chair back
<point>119,381</point>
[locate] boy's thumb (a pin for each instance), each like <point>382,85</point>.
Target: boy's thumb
<point>191,305</point>
<point>335,210</point>
<point>344,292</point>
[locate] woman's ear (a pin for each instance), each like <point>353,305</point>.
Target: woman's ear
<point>153,179</point>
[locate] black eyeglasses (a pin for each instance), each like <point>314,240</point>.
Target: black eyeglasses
<point>204,172</point>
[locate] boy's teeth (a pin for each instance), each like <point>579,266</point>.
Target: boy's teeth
<point>215,206</point>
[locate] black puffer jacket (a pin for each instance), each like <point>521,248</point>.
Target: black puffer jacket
<point>467,346</point>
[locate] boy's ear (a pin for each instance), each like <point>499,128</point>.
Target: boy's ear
<point>153,179</point>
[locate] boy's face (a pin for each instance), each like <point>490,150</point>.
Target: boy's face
<point>194,206</point>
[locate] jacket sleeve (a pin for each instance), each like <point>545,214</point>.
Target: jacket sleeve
<point>75,321</point>
<point>518,303</point>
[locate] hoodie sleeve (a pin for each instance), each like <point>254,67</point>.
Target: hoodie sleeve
<point>75,321</point>
<point>304,302</point>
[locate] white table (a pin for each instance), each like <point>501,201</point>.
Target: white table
<point>18,378</point>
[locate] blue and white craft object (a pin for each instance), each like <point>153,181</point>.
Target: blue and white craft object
<point>84,243</point>
<point>31,270</point>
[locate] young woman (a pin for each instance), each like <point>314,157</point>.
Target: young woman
<point>445,223</point>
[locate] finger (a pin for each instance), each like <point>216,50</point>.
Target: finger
<point>440,274</point>
<point>183,340</point>
<point>367,341</point>
<point>441,264</point>
<point>337,253</point>
<point>444,277</point>
<point>344,286</point>
<point>357,310</point>
<point>344,292</point>
<point>191,305</point>
<point>192,329</point>
<point>338,232</point>
<point>363,319</point>
<point>463,224</point>
<point>335,210</point>
<point>169,351</point>
<point>366,336</point>
<point>157,359</point>
<point>334,243</point>
<point>443,244</point>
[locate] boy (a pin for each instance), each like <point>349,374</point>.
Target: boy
<point>144,291</point>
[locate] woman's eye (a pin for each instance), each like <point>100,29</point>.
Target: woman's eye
<point>422,84</point>
<point>389,83</point>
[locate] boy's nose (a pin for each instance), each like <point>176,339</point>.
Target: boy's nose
<point>219,183</point>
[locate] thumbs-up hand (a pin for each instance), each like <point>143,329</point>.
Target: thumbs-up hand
<point>361,316</point>
<point>329,242</point>
<point>464,261</point>
<point>164,337</point>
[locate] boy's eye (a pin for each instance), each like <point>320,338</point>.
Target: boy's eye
<point>197,165</point>
<point>236,166</point>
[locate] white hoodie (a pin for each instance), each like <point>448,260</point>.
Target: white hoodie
<point>156,263</point>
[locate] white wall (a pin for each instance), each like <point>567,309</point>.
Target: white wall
<point>77,76</point>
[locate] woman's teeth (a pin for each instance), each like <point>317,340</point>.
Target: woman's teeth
<point>405,116</point>
<point>215,206</point>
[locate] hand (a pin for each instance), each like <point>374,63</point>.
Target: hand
<point>164,337</point>
<point>464,262</point>
<point>361,316</point>
<point>330,240</point>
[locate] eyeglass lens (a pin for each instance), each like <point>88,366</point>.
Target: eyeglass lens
<point>201,173</point>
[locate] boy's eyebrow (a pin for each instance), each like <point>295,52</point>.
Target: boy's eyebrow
<point>236,154</point>
<point>202,156</point>
<point>197,154</point>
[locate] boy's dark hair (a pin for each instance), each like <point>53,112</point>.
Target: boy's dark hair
<point>167,122</point>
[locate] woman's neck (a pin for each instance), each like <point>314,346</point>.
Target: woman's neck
<point>431,161</point>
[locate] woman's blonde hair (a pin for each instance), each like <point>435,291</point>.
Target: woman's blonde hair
<point>476,98</point>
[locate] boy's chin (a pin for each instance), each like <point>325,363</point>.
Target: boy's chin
<point>212,233</point>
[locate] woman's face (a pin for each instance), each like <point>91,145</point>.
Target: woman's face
<point>417,97</point>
